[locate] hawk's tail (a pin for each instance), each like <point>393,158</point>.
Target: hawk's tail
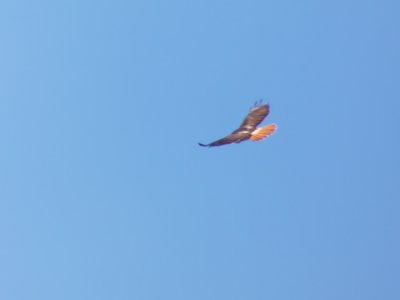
<point>263,132</point>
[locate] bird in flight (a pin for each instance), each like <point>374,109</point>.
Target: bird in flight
<point>248,129</point>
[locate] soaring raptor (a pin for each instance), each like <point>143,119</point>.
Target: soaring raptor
<point>248,129</point>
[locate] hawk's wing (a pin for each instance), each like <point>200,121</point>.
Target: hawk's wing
<point>234,137</point>
<point>255,116</point>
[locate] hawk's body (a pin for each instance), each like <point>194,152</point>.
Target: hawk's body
<point>248,129</point>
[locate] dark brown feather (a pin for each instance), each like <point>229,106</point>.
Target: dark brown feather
<point>256,115</point>
<point>234,137</point>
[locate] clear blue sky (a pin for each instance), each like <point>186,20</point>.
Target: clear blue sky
<point>105,193</point>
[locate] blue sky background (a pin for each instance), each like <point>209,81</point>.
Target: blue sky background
<point>105,193</point>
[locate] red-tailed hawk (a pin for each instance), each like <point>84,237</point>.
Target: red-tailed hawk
<point>247,130</point>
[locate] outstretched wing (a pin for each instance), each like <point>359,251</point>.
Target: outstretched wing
<point>234,137</point>
<point>256,115</point>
